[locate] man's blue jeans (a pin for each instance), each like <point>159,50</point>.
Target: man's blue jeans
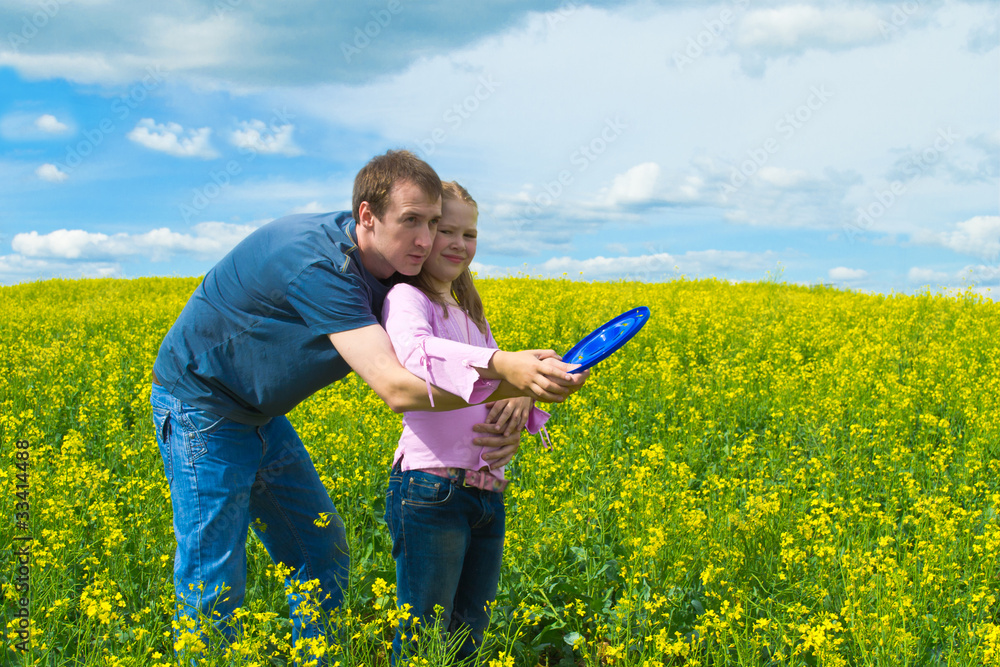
<point>225,477</point>
<point>448,544</point>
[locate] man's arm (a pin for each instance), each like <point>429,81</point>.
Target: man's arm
<point>369,352</point>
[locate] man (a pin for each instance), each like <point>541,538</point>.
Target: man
<point>290,310</point>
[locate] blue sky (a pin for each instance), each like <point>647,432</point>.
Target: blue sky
<point>847,143</point>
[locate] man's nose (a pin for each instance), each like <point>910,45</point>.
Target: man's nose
<point>425,237</point>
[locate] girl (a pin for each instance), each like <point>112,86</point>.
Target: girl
<point>444,506</point>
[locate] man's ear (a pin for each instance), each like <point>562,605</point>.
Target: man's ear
<point>368,218</point>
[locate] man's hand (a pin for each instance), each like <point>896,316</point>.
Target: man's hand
<point>504,423</point>
<point>502,447</point>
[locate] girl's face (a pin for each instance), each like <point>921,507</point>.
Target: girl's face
<point>454,244</point>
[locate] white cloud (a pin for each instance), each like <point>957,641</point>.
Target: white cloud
<point>285,194</point>
<point>780,177</point>
<point>210,239</point>
<point>769,196</point>
<point>49,123</point>
<point>170,138</point>
<point>978,237</point>
<point>215,48</point>
<point>218,42</point>
<point>842,273</point>
<point>51,173</point>
<point>89,67</point>
<point>230,43</point>
<point>535,123</point>
<point>311,207</point>
<point>652,267</point>
<point>924,276</point>
<point>797,27</point>
<point>596,268</point>
<point>63,243</point>
<point>17,268</point>
<point>635,186</point>
<point>691,187</point>
<point>984,38</point>
<point>256,136</point>
<point>978,278</point>
<point>981,274</point>
<point>30,126</point>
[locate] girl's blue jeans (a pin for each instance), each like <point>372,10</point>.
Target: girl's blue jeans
<point>448,545</point>
<point>226,477</point>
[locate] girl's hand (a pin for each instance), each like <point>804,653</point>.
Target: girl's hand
<point>538,374</point>
<point>510,414</point>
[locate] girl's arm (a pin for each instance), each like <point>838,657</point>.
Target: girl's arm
<point>469,371</point>
<point>370,354</point>
<point>511,415</point>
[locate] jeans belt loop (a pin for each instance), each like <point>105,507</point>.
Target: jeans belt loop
<point>459,476</point>
<point>475,479</point>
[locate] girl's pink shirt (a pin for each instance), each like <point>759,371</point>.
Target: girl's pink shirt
<point>445,352</point>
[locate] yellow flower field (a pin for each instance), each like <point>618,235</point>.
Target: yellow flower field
<point>767,475</point>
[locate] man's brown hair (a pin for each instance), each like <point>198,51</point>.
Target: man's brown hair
<point>374,182</point>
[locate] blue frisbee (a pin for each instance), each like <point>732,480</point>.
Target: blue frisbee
<point>605,340</point>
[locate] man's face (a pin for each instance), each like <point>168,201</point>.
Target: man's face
<point>405,233</point>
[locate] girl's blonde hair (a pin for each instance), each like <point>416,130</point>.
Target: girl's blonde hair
<point>462,288</point>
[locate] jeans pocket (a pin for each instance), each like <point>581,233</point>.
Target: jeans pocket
<point>391,497</point>
<point>427,490</point>
<point>161,421</point>
<point>499,511</point>
<point>200,424</point>
<point>392,519</point>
